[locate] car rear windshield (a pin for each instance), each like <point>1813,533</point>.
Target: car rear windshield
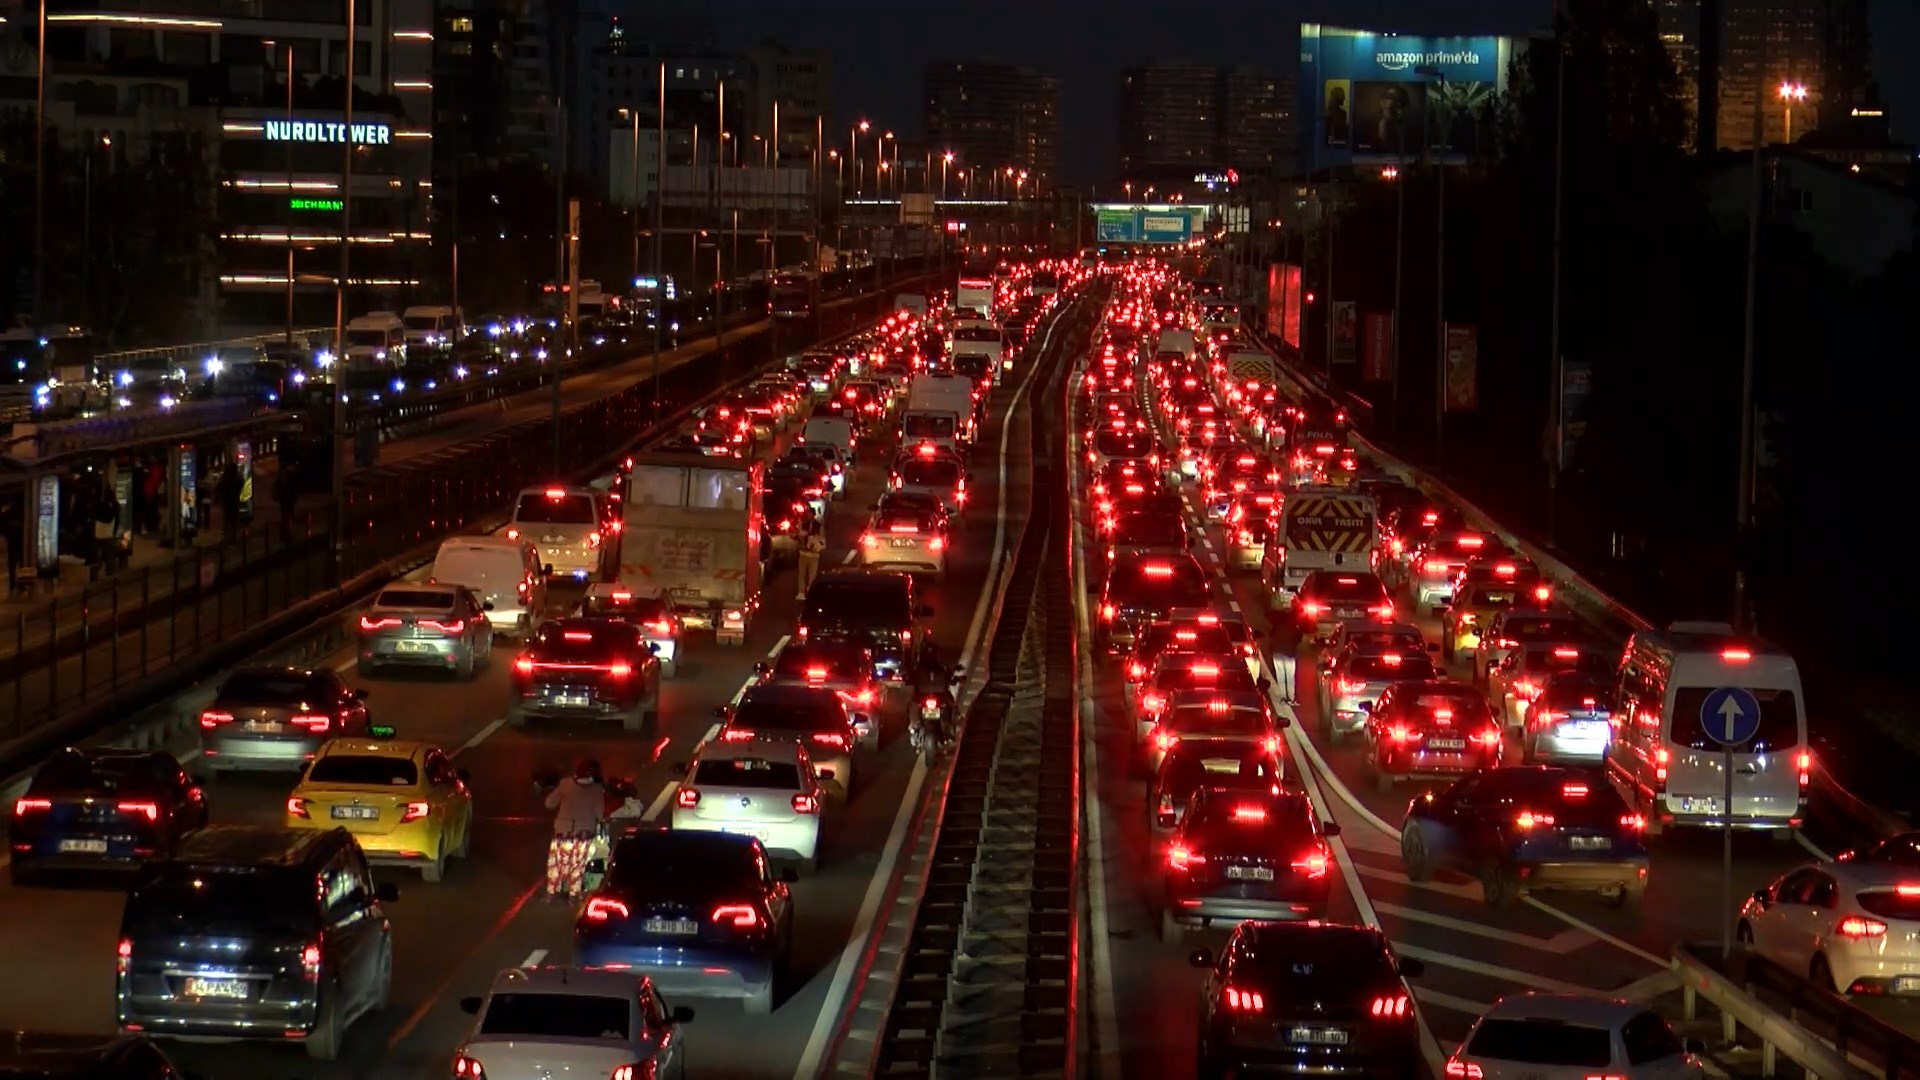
<point>1170,575</point>
<point>184,898</point>
<point>1487,596</point>
<point>701,862</point>
<point>936,473</point>
<point>270,687</point>
<point>1229,818</point>
<point>1122,443</point>
<point>748,773</point>
<point>75,772</point>
<point>1392,666</point>
<point>1542,1042</point>
<point>642,608</point>
<point>976,333</point>
<point>363,769</point>
<point>858,603</point>
<point>1214,765</point>
<point>580,641</point>
<point>1899,903</point>
<point>904,521</point>
<point>1462,708</point>
<point>1567,659</point>
<point>548,508</point>
<point>1194,638</point>
<point>1346,587</point>
<point>1571,798</point>
<point>791,712</point>
<point>1202,720</point>
<point>1574,696</point>
<point>831,663</point>
<point>1149,528</point>
<point>1534,627</point>
<point>1324,963</point>
<point>563,1016</point>
<point>927,426</point>
<point>431,599</point>
<point>1779,719</point>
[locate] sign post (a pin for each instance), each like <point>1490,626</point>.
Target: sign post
<point>1730,716</point>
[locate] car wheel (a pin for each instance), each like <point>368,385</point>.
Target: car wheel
<point>669,668</point>
<point>1744,934</point>
<point>1446,646</point>
<point>465,668</point>
<point>1171,931</point>
<point>1820,974</point>
<point>385,996</point>
<point>1497,887</point>
<point>760,1002</point>
<point>1626,897</point>
<point>1206,1067</point>
<point>635,721</point>
<point>432,872</point>
<point>466,840</point>
<point>516,716</point>
<point>323,1043</point>
<point>1414,855</point>
<point>21,875</point>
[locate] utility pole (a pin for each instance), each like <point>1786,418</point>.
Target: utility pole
<point>1556,417</point>
<point>1744,494</point>
<point>340,319</point>
<point>572,326</point>
<point>40,171</point>
<point>659,227</point>
<point>563,234</point>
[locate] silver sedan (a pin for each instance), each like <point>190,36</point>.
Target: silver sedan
<point>440,627</point>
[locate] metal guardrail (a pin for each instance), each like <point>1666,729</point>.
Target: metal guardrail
<point>182,355</point>
<point>1825,1034</point>
<point>71,676</point>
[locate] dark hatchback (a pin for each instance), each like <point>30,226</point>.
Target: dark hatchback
<point>699,913</point>
<point>104,808</point>
<point>256,932</point>
<point>1308,999</point>
<point>1246,855</point>
<point>587,669</point>
<point>1142,589</point>
<point>871,608</point>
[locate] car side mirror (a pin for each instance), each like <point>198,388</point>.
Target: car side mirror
<point>653,648</point>
<point>1761,897</point>
<point>1282,722</point>
<point>1410,968</point>
<point>486,605</point>
<point>547,569</point>
<point>1366,707</point>
<point>1200,958</point>
<point>825,774</point>
<point>681,1015</point>
<point>789,876</point>
<point>386,892</point>
<point>465,776</point>
<point>470,1005</point>
<point>720,711</point>
<point>762,668</point>
<point>1263,683</point>
<point>359,695</point>
<point>924,611</point>
<point>1329,828</point>
<point>1694,1046</point>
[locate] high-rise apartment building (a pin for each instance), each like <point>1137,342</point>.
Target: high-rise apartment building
<point>1169,120</point>
<point>993,116</point>
<point>1257,136</point>
<point>1680,34</point>
<point>473,48</point>
<point>801,83</point>
<point>1820,45</point>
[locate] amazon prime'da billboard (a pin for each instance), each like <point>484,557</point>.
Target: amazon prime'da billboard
<point>1380,98</point>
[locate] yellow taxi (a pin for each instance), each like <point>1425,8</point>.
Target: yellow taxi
<point>401,798</point>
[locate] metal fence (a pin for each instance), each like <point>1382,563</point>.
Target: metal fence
<point>65,662</point>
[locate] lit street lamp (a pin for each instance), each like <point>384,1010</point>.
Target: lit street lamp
<point>1790,93</point>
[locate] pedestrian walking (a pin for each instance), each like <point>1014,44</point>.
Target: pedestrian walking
<point>1285,633</point>
<point>228,491</point>
<point>106,530</point>
<point>811,546</point>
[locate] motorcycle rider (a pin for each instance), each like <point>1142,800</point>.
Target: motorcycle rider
<point>932,679</point>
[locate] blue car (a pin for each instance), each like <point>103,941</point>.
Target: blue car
<point>699,913</point>
<point>103,809</point>
<point>1529,829</point>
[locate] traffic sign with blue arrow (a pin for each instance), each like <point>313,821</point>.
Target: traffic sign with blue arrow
<point>1730,715</point>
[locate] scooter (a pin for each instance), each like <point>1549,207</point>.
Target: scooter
<point>631,811</point>
<point>932,729</point>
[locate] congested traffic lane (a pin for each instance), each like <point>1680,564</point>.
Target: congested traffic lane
<point>451,938</point>
<point>1567,943</point>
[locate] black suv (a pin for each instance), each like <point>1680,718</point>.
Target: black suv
<point>256,932</point>
<point>871,608</point>
<point>107,807</point>
<point>587,669</point>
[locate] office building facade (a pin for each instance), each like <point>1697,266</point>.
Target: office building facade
<point>994,116</point>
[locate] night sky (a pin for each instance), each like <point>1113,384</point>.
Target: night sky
<point>878,46</point>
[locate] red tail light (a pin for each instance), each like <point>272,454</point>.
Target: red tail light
<point>805,804</point>
<point>1633,823</point>
<point>123,953</point>
<point>687,798</point>
<point>1528,819</point>
<point>1400,733</point>
<point>1350,687</point>
<point>1439,566</point>
<point>1164,741</point>
<point>1153,703</point>
<point>367,623</point>
<point>1804,762</point>
<point>661,626</point>
<point>605,908</point>
<point>738,916</point>
<point>297,807</point>
<point>937,544</point>
<point>1489,738</point>
<point>1463,1070</point>
<point>619,670</point>
<point>832,739</point>
<point>452,626</point>
<point>1244,1001</point>
<point>1313,865</point>
<point>414,812</point>
<point>310,960</point>
<point>1526,688</point>
<point>1182,857</point>
<point>1381,611</point>
<point>148,810</point>
<point>1390,1007</point>
<point>1859,926</point>
<point>466,1068</point>
<point>1660,760</point>
<point>1136,670</point>
<point>734,734</point>
<point>869,541</point>
<point>317,723</point>
<point>22,807</point>
<point>214,718</point>
<point>1313,610</point>
<point>1108,611</point>
<point>523,665</point>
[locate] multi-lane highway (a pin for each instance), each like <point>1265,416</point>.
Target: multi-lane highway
<point>1144,993</point>
<point>56,946</point>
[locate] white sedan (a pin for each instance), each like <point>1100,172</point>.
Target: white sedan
<point>1570,1037</point>
<point>1850,927</point>
<point>552,1020</point>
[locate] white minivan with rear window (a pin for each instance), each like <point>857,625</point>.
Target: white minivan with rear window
<point>569,526</point>
<point>1682,690</point>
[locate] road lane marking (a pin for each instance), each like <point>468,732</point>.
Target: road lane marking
<point>659,804</point>
<point>832,1007</point>
<point>1560,944</point>
<point>481,736</point>
<point>1441,958</point>
<point>1399,877</point>
<point>432,1000</point>
<point>534,958</point>
<point>1581,924</point>
<point>1801,839</point>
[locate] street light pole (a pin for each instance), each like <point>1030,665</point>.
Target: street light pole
<point>40,172</point>
<point>1744,495</point>
<point>659,227</point>
<point>633,185</point>
<point>1556,404</point>
<point>340,320</point>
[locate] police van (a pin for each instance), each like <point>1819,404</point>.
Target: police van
<point>1682,692</point>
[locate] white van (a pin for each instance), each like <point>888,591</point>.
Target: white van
<point>569,527</point>
<point>834,431</point>
<point>431,327</point>
<point>505,572</point>
<point>1664,760</point>
<point>1177,341</point>
<point>376,338</point>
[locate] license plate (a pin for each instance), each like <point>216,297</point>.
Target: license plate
<point>268,727</point>
<point>411,646</point>
<point>1446,744</point>
<point>1317,1036</point>
<point>356,813</point>
<point>1585,729</point>
<point>1222,765</point>
<point>229,989</point>
<point>903,543</point>
<point>1592,843</point>
<point>1347,613</point>
<point>671,926</point>
<point>83,847</point>
<point>1250,873</point>
<point>1906,984</point>
<point>565,700</point>
<point>684,591</point>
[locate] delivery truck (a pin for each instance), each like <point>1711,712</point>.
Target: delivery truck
<point>694,529</point>
<point>1321,528</point>
<point>939,411</point>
